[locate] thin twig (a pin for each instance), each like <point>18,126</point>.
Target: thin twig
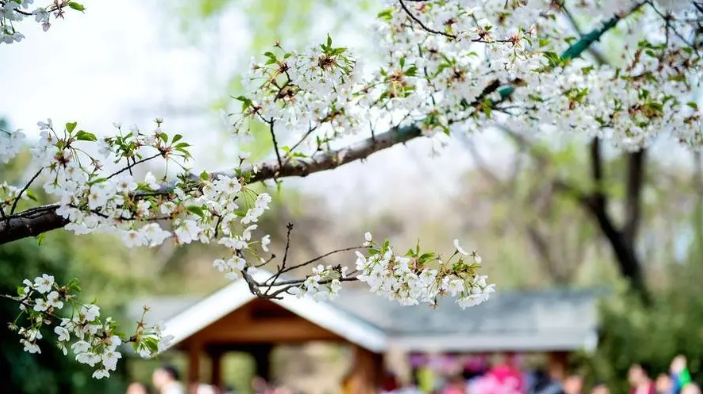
<point>303,138</point>
<point>318,258</point>
<point>275,143</point>
<point>130,166</point>
<point>282,268</point>
<point>419,22</point>
<point>276,294</point>
<point>28,305</point>
<point>667,20</point>
<point>263,263</point>
<point>24,189</point>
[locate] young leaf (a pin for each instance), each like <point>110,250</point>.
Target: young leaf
<point>196,210</point>
<point>85,136</point>
<point>71,126</point>
<point>76,6</point>
<point>31,195</point>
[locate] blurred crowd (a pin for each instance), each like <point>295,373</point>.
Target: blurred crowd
<point>504,377</point>
<point>507,377</point>
<point>166,380</point>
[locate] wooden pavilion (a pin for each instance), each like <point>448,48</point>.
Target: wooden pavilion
<point>553,323</point>
<point>233,319</point>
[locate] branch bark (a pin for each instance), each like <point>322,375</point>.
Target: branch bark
<point>635,181</point>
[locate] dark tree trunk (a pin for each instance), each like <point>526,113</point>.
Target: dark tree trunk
<point>622,240</point>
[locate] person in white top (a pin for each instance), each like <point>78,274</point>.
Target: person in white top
<point>165,380</point>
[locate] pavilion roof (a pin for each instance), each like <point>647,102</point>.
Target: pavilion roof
<point>553,320</point>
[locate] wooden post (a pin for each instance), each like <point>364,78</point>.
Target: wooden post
<point>558,363</point>
<point>194,350</point>
<point>262,360</point>
<point>216,372</point>
<point>365,373</point>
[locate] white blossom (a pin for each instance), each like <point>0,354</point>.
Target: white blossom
<point>44,283</point>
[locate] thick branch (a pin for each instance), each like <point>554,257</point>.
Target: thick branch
<point>599,198</point>
<point>23,226</point>
<point>633,203</point>
<point>333,159</point>
<point>545,253</point>
<point>625,255</point>
<point>36,221</point>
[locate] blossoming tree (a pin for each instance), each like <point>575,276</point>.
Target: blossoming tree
<point>449,67</point>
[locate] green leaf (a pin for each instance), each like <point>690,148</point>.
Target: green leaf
<point>425,257</point>
<point>693,105</point>
<point>587,70</point>
<point>272,58</point>
<point>196,210</point>
<point>204,176</point>
<point>553,58</point>
<point>98,180</point>
<point>85,136</point>
<point>151,343</point>
<point>385,14</point>
<point>176,138</point>
<point>76,6</point>
<point>164,137</point>
<point>31,195</point>
<point>71,126</point>
<point>40,238</point>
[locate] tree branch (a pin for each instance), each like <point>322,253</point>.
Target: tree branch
<point>633,203</point>
<point>275,143</point>
<point>24,189</point>
<point>422,25</point>
<point>599,197</point>
<point>39,220</point>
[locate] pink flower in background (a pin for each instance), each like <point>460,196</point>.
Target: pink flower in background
<point>490,384</point>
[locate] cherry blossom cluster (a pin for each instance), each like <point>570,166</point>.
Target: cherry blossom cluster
<point>418,277</point>
<point>414,278</point>
<point>9,194</point>
<point>324,283</point>
<point>466,65</point>
<point>10,144</point>
<point>312,91</point>
<point>13,12</point>
<point>194,209</point>
<point>93,340</point>
<point>470,65</point>
<point>630,107</point>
